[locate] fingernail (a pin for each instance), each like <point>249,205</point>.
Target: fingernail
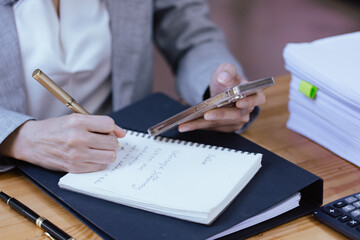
<point>224,77</point>
<point>184,128</point>
<point>210,116</point>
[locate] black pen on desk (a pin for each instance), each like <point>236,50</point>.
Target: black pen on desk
<point>50,229</point>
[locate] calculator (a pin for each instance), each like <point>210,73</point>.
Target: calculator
<point>343,215</point>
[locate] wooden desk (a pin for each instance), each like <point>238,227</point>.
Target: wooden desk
<point>340,178</point>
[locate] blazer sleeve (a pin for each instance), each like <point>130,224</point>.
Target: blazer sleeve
<point>193,45</point>
<point>9,122</point>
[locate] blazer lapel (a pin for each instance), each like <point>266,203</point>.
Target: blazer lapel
<point>12,91</point>
<point>129,20</point>
<point>8,2</point>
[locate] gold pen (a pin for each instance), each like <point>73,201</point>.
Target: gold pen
<point>59,93</point>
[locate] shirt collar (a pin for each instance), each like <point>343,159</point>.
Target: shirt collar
<point>9,3</point>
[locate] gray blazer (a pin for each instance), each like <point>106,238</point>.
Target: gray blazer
<point>181,29</point>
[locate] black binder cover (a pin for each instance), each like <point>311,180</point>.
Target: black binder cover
<point>275,181</point>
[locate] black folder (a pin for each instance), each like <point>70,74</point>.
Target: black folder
<point>276,180</point>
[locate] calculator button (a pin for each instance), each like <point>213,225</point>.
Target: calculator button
<point>350,199</point>
<point>353,223</point>
<point>348,208</point>
<point>355,213</point>
<point>340,204</point>
<point>332,211</point>
<point>357,204</point>
<point>344,218</point>
<point>343,215</point>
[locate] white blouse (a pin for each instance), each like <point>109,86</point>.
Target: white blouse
<point>73,49</point>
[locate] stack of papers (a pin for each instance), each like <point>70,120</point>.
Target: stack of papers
<point>325,92</point>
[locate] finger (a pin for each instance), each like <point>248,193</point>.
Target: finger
<point>119,132</point>
<point>223,126</point>
<point>72,166</point>
<point>93,123</point>
<point>80,156</point>
<point>228,113</point>
<point>222,117</point>
<point>86,168</point>
<point>193,125</point>
<point>101,141</point>
<point>251,100</point>
<point>78,139</point>
<point>101,124</point>
<point>227,128</point>
<point>101,156</point>
<point>201,123</point>
<point>226,75</point>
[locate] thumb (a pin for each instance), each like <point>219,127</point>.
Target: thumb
<point>119,132</point>
<point>224,77</point>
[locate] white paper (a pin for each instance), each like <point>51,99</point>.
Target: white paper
<point>331,64</point>
<point>276,210</point>
<point>332,118</point>
<point>189,182</point>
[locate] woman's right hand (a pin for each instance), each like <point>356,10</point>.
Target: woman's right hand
<point>74,143</point>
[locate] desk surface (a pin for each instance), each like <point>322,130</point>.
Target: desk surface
<point>269,130</point>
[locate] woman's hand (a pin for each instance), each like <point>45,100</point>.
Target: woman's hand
<point>231,118</point>
<point>73,143</point>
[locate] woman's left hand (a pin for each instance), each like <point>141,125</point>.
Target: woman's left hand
<point>229,118</point>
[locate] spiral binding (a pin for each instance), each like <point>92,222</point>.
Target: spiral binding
<point>185,143</point>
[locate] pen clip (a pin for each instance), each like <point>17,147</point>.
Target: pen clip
<point>49,236</point>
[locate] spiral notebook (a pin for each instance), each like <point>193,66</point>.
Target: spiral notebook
<point>181,179</point>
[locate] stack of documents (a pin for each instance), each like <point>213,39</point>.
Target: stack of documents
<point>325,92</point>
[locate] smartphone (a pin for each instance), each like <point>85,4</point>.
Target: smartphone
<point>222,99</point>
